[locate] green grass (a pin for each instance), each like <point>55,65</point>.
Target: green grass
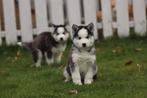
<point>116,80</point>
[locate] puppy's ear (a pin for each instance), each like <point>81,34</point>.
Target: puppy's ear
<point>90,27</point>
<point>67,27</point>
<point>74,28</point>
<point>51,27</point>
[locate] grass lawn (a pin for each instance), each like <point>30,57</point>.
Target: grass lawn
<point>122,73</point>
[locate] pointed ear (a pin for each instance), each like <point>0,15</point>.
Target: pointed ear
<point>51,27</point>
<point>91,27</point>
<point>67,28</point>
<point>75,28</point>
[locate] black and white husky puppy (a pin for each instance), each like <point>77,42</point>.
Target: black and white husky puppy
<point>48,45</point>
<point>82,67</point>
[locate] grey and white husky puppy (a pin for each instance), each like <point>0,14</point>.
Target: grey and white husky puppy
<point>82,67</point>
<point>48,45</point>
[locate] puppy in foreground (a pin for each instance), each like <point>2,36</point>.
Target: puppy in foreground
<point>82,67</point>
<point>48,46</point>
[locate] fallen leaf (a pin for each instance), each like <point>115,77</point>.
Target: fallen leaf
<point>138,49</point>
<point>73,91</point>
<point>129,62</point>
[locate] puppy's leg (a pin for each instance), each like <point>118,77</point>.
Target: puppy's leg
<point>66,75</point>
<point>37,57</point>
<point>90,74</point>
<point>76,77</point>
<point>49,57</point>
<point>58,57</point>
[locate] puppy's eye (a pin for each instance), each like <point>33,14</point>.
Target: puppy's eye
<point>87,37</point>
<point>63,32</point>
<point>79,38</point>
<point>57,33</point>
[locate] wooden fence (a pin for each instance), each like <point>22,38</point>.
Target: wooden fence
<point>22,19</point>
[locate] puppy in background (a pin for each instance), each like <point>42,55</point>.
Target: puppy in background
<point>48,45</point>
<point>82,67</point>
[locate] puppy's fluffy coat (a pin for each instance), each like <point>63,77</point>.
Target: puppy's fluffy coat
<point>49,45</point>
<point>82,66</point>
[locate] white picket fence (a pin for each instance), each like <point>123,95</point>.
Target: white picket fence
<point>73,12</point>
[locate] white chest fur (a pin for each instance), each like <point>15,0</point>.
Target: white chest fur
<point>84,60</point>
<point>58,49</point>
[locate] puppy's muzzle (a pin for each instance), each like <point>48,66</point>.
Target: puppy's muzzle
<point>84,45</point>
<point>61,39</point>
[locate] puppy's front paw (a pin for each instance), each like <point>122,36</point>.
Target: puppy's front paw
<point>77,82</point>
<point>38,65</point>
<point>89,81</point>
<point>49,61</point>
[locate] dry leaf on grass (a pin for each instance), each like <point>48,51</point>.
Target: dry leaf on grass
<point>73,91</point>
<point>129,62</point>
<point>138,49</point>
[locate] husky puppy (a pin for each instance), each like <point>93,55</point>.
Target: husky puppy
<point>82,68</point>
<point>48,45</point>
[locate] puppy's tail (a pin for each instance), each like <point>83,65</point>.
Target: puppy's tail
<point>27,45</point>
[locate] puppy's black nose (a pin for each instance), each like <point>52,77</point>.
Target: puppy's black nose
<point>84,44</point>
<point>61,39</point>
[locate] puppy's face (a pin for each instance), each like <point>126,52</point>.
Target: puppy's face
<point>83,36</point>
<point>60,33</point>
